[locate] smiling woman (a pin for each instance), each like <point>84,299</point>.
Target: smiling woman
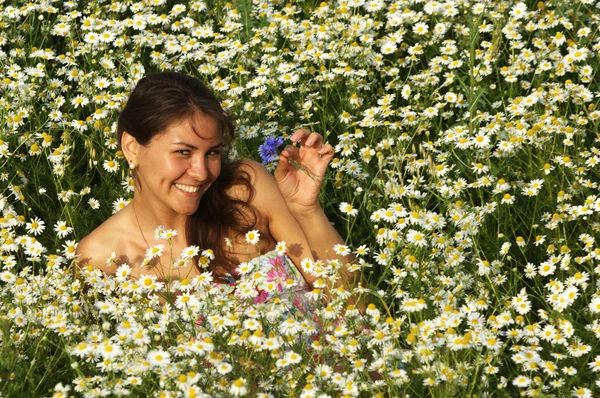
<point>172,132</point>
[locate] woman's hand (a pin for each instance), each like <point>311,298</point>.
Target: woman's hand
<point>300,172</point>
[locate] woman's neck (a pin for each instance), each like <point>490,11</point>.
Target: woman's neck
<point>148,219</point>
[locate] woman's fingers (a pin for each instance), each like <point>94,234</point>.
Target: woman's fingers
<point>314,140</point>
<point>290,151</point>
<point>307,138</point>
<point>300,135</point>
<point>327,149</point>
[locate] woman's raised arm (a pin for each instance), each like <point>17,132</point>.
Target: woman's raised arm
<point>299,177</point>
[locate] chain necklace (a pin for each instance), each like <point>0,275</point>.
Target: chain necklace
<point>138,223</point>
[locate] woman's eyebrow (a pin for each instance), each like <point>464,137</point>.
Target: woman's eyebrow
<point>194,147</point>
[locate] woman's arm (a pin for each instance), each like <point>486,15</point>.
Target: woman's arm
<point>299,177</point>
<point>281,223</point>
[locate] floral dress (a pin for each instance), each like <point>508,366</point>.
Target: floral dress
<point>282,279</point>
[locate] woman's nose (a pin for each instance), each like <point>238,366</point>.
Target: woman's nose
<point>198,168</point>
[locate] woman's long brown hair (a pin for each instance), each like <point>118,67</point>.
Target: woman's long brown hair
<point>161,99</point>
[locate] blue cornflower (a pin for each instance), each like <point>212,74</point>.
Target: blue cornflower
<point>268,150</point>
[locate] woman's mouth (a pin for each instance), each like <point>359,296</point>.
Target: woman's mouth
<point>188,188</point>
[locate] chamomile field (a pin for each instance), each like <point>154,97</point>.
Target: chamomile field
<point>465,182</point>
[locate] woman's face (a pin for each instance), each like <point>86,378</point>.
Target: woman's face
<point>178,166</point>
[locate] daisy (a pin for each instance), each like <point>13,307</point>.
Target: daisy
<point>36,226</point>
<point>62,229</point>
<point>111,166</point>
<point>347,208</point>
<point>289,327</point>
<point>79,101</point>
<point>292,357</point>
<point>421,28</point>
<point>69,249</point>
<point>190,252</point>
<point>416,237</point>
<point>281,248</point>
<point>341,250</point>
<point>158,358</point>
<point>238,387</point>
<point>361,250</point>
<point>186,300</point>
<point>253,237</point>
<point>94,203</point>
<point>521,381</point>
<point>8,277</point>
<point>119,204</point>
<point>224,368</point>
<point>382,258</point>
<point>155,251</point>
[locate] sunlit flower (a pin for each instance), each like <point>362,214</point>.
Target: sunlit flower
<point>347,208</point>
<point>36,226</point>
<point>252,237</point>
<point>158,358</point>
<point>62,229</point>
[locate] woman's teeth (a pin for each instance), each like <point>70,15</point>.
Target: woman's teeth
<point>188,188</point>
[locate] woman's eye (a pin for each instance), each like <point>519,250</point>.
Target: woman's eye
<point>183,152</point>
<point>214,153</point>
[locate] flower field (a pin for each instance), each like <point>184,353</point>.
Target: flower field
<point>465,181</point>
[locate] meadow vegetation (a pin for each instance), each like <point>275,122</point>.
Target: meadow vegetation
<point>465,182</point>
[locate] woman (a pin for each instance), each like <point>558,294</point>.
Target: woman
<point>172,132</point>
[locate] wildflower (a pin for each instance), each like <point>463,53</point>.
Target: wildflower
<point>238,387</point>
<point>94,203</point>
<point>155,251</point>
<point>347,208</point>
<point>208,253</point>
<point>123,272</point>
<point>69,249</point>
<point>252,237</point>
<point>382,258</point>
<point>421,28</point>
<point>36,226</point>
<point>79,101</point>
<point>119,204</point>
<point>61,229</point>
<point>281,248</point>
<point>341,250</point>
<point>8,277</point>
<point>186,300</point>
<point>158,358</point>
<point>581,392</point>
<point>292,357</point>
<point>268,150</point>
<point>595,305</point>
<point>109,350</point>
<point>521,381</point>
<point>224,368</point>
<point>416,237</point>
<point>289,327</point>
<point>150,283</point>
<point>190,252</point>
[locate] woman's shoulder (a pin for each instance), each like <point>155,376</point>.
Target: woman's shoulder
<point>98,246</point>
<point>262,182</point>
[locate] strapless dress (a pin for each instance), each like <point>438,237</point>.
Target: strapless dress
<point>283,280</point>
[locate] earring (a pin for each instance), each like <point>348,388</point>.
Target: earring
<point>131,165</point>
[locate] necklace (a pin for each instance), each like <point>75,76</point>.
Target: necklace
<point>138,223</point>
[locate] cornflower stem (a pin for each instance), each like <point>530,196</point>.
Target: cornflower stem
<point>304,170</point>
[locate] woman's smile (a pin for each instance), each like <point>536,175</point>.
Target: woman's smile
<point>188,188</point>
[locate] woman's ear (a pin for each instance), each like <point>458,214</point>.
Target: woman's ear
<point>130,146</point>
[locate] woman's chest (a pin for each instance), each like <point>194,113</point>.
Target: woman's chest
<point>177,261</point>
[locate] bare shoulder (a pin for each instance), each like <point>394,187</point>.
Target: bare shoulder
<point>266,193</point>
<point>256,172</point>
<point>99,245</point>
